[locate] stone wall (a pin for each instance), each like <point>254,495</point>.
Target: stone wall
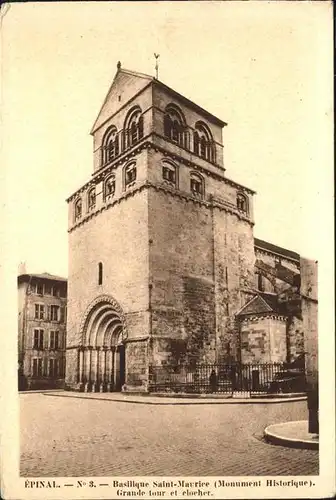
<point>295,338</point>
<point>309,298</point>
<point>263,340</point>
<point>137,364</point>
<point>181,272</point>
<point>118,238</point>
<point>233,275</point>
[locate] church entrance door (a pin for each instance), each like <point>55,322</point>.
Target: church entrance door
<point>101,358</point>
<point>120,367</point>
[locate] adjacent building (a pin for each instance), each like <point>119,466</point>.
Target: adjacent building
<point>42,330</point>
<point>164,268</point>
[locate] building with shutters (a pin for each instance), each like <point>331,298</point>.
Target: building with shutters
<point>42,300</point>
<point>164,268</point>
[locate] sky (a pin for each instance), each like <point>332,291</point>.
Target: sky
<point>264,68</point>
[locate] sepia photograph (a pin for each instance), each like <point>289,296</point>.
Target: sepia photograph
<point>168,211</point>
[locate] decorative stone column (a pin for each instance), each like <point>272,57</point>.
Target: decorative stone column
<point>80,368</point>
<point>108,366</point>
<point>95,384</point>
<point>87,386</point>
<point>102,386</point>
<point>116,380</point>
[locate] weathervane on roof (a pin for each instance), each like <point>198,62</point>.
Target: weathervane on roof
<point>157,65</point>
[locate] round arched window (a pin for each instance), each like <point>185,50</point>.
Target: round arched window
<point>174,125</point>
<point>92,198</point>
<point>109,187</point>
<point>242,203</point>
<point>203,142</point>
<point>78,209</point>
<point>197,185</point>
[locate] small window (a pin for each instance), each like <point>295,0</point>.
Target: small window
<point>78,209</point>
<point>37,367</point>
<point>174,125</point>
<point>47,289</point>
<point>110,145</point>
<point>242,204</point>
<point>204,145</point>
<point>133,127</point>
<point>169,173</point>
<point>39,288</point>
<point>54,340</point>
<point>54,313</point>
<point>38,339</point>
<point>109,188</point>
<point>130,175</point>
<point>197,185</point>
<point>53,367</point>
<point>39,311</point>
<point>92,198</point>
<point>55,291</point>
<point>100,273</point>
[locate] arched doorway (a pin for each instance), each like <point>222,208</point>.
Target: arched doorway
<point>101,358</point>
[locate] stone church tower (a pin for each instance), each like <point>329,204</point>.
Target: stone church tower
<point>161,247</point>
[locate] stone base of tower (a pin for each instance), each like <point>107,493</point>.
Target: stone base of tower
<point>136,373</point>
<point>119,368</point>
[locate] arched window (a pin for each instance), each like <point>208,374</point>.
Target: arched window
<point>197,185</point>
<point>78,209</point>
<point>242,203</point>
<point>175,125</point>
<point>169,173</point>
<point>130,173</point>
<point>204,145</point>
<point>100,273</point>
<point>109,187</point>
<point>92,198</point>
<point>110,147</point>
<point>133,127</point>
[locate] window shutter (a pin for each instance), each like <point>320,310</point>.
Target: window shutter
<point>49,313</point>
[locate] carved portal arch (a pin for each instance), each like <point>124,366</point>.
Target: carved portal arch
<point>104,323</point>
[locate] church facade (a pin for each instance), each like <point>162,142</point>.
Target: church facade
<point>164,268</point>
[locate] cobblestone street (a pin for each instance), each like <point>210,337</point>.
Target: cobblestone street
<point>65,436</point>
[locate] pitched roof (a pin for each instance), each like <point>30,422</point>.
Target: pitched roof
<point>262,303</point>
<point>150,79</point>
<point>46,276</point>
<point>264,245</point>
<point>192,104</point>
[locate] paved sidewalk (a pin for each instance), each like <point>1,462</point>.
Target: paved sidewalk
<point>292,434</point>
<point>160,400</point>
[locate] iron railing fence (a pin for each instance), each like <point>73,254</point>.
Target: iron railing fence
<point>251,378</point>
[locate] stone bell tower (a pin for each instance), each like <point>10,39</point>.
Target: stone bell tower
<point>161,244</point>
